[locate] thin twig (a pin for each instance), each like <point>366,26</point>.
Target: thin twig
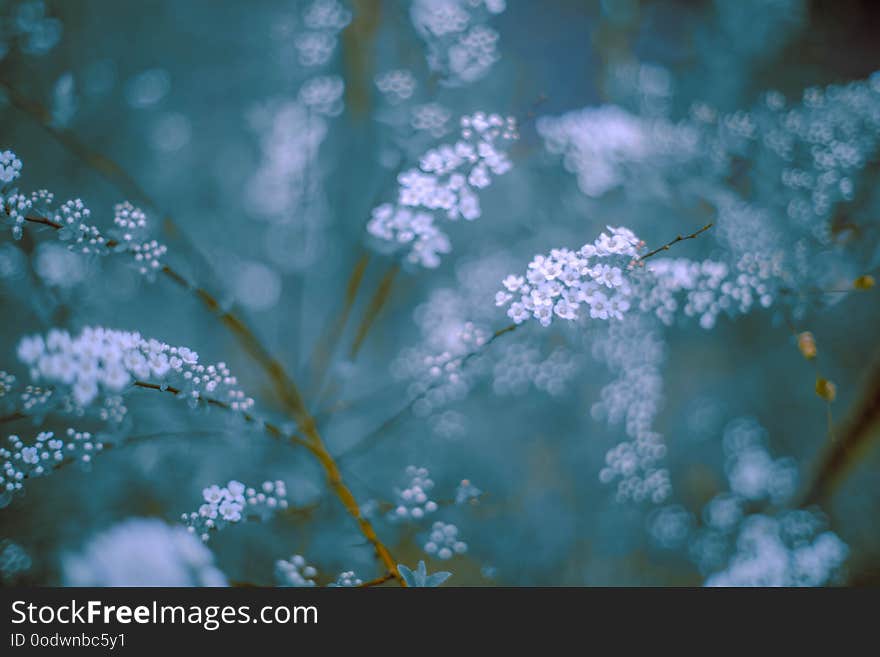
<point>377,302</point>
<point>376,582</point>
<point>668,245</point>
<point>326,345</point>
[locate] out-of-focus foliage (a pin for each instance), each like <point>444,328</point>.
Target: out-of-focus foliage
<point>558,293</point>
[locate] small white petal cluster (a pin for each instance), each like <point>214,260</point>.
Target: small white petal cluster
<point>791,548</point>
<point>634,352</point>
<point>602,145</point>
<point>290,138</point>
<point>323,94</point>
<point>466,492</point>
<point>782,551</point>
<point>324,20</point>
<point>523,365</point>
<point>25,460</point>
<point>432,118</point>
<point>347,579</point>
<point>445,185</point>
<point>460,44</point>
<point>295,572</point>
<point>131,228</point>
<point>558,283</point>
<point>130,232</point>
<point>413,502</point>
<point>753,474</point>
<point>14,561</point>
<point>397,85</point>
<point>10,167</point>
<point>443,541</point>
<point>142,552</point>
<point>707,288</point>
<point>7,384</point>
<point>233,503</point>
<point>100,361</point>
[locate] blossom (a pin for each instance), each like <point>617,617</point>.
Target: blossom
<point>10,167</point>
<point>142,552</point>
<point>228,505</point>
<point>444,187</point>
<point>23,459</point>
<point>443,541</point>
<point>104,361</point>
<point>559,282</point>
<point>413,501</point>
<point>295,572</point>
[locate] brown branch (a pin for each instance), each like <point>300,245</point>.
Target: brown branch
<point>376,582</point>
<point>377,302</point>
<point>12,417</point>
<point>852,441</point>
<point>668,245</point>
<point>326,345</point>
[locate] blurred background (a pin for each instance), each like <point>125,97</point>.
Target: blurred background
<point>259,136</point>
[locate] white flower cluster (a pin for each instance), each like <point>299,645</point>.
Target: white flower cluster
<point>130,233</point>
<point>132,228</point>
<point>295,572</point>
<point>396,85</point>
<point>633,352</point>
<point>436,372</point>
<point>460,45</point>
<point>521,365</point>
<point>21,460</point>
<point>142,552</point>
<point>432,118</point>
<point>100,361</point>
<point>791,548</point>
<point>443,541</point>
<point>14,561</point>
<point>290,137</point>
<point>27,25</point>
<point>707,288</point>
<point>7,383</point>
<point>10,167</point>
<point>466,492</point>
<point>347,579</point>
<point>782,551</point>
<point>753,474</point>
<point>414,502</point>
<point>323,94</point>
<point>445,183</point>
<point>453,326</point>
<point>232,503</point>
<point>324,20</point>
<point>558,283</point>
<point>603,145</point>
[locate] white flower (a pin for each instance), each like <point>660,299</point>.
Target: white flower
<point>212,494</point>
<point>517,312</point>
<point>501,298</point>
<point>442,187</point>
<point>599,306</point>
<point>142,552</point>
<point>10,167</point>
<point>230,511</point>
<point>30,348</point>
<point>513,283</point>
<point>30,455</point>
